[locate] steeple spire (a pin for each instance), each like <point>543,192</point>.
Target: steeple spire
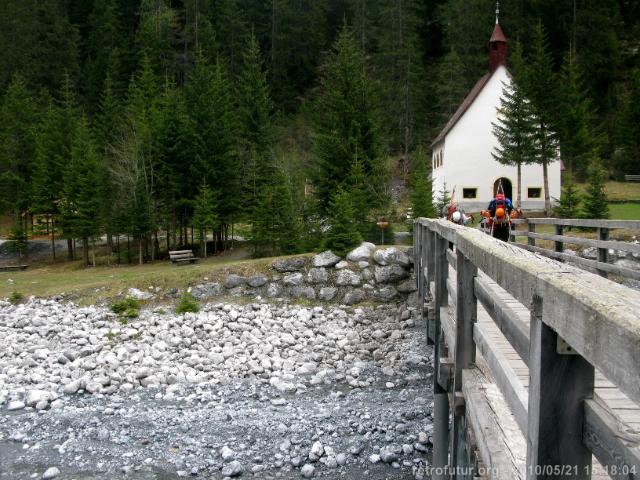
<point>497,44</point>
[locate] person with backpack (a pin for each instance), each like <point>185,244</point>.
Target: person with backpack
<point>498,216</point>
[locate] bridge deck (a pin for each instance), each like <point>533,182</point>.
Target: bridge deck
<point>625,411</point>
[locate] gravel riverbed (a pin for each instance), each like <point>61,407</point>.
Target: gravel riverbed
<point>258,391</point>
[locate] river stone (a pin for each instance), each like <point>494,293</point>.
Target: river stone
<point>274,289</point>
<point>304,292</point>
<point>139,294</point>
<point>327,293</point>
<point>293,279</point>
<point>51,472</point>
<point>289,264</point>
<point>318,275</point>
<point>385,294</point>
<point>407,286</point>
<point>207,290</point>
<point>348,277</point>
<point>325,259</point>
<point>257,281</point>
<point>391,256</point>
<point>232,469</point>
<point>341,265</point>
<point>390,273</point>
<point>354,296</point>
<point>233,281</point>
<point>307,470</point>
<point>363,252</point>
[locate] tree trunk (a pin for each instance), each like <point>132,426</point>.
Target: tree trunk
<point>93,251</point>
<point>109,247</point>
<point>519,197</point>
<point>128,249</point>
<point>69,249</point>
<point>232,225</point>
<point>118,246</point>
<point>85,250</point>
<point>140,250</point>
<point>205,242</point>
<point>547,199</point>
<point>53,240</point>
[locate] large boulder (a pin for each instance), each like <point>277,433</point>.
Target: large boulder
<point>385,294</point>
<point>207,290</point>
<point>390,273</point>
<point>289,264</point>
<point>318,275</point>
<point>391,256</point>
<point>233,281</point>
<point>407,286</point>
<point>354,296</point>
<point>327,293</point>
<point>257,281</point>
<point>274,290</point>
<point>348,277</point>
<point>363,252</point>
<point>293,279</point>
<point>325,259</point>
<point>303,292</point>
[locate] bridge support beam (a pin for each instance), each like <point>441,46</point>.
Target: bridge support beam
<point>559,384</point>
<point>439,248</point>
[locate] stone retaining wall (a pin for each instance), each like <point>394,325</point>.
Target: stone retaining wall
<point>367,274</point>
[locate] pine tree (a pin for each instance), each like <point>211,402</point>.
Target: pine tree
<point>205,217</point>
<point>595,203</point>
<point>343,234</point>
<point>451,86</point>
<point>628,161</point>
<point>256,138</point>
<point>541,87</point>
<point>514,131</point>
<point>577,138</point>
<point>421,187</point>
<point>81,207</point>
<point>156,33</point>
<point>569,204</point>
<point>18,114</point>
<point>346,125</point>
<point>443,201</point>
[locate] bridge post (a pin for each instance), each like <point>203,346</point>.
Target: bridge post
<point>559,246</point>
<point>439,246</point>
<point>603,253</point>
<point>428,263</point>
<point>559,382</point>
<point>465,357</point>
<point>531,227</point>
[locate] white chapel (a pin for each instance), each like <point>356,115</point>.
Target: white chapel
<point>461,153</point>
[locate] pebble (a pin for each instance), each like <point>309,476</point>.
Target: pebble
<point>307,470</point>
<point>51,472</point>
<point>233,469</point>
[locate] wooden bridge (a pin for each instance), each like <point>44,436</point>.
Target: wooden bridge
<point>537,363</point>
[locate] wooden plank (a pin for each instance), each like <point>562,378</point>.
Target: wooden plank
<point>557,389</point>
<point>451,258</point>
<point>588,242</point>
<point>615,446</point>
<point>628,224</point>
<point>501,450</point>
<point>514,330</point>
<point>585,262</point>
<point>179,252</point>
<point>501,370</point>
<point>597,317</point>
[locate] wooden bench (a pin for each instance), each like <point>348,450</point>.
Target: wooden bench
<point>182,256</point>
<point>11,268</point>
<point>632,178</point>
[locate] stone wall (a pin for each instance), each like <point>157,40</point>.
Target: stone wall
<point>366,274</point>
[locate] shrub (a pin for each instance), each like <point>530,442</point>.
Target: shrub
<point>16,297</point>
<point>187,304</point>
<point>127,308</point>
<point>343,234</point>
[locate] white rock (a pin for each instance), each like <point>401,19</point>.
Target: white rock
<point>139,294</point>
<point>227,454</point>
<point>307,470</point>
<point>362,253</point>
<point>52,472</point>
<point>15,405</point>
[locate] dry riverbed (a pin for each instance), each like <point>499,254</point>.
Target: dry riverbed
<point>250,391</point>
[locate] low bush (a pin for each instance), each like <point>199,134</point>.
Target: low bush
<point>16,297</point>
<point>127,308</point>
<point>187,303</point>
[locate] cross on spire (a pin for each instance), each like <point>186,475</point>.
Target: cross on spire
<point>497,10</point>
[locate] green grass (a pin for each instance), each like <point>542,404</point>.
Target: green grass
<point>105,284</point>
<point>624,211</point>
<point>187,303</point>
<point>618,191</point>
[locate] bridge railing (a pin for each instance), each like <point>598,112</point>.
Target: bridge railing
<point>578,322</point>
<point>602,242</point>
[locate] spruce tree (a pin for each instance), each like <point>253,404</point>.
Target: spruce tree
<point>346,125</point>
<point>595,203</point>
<point>205,217</point>
<point>514,131</point>
<point>81,207</point>
<point>568,206</point>
<point>628,161</point>
<point>342,235</point>
<point>443,201</point>
<point>541,86</point>
<point>421,187</point>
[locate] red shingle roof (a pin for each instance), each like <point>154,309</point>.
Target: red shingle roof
<point>497,35</point>
<point>464,106</point>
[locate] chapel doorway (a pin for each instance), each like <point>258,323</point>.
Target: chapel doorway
<point>506,187</point>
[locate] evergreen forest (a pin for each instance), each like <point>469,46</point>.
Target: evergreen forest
<point>169,124</point>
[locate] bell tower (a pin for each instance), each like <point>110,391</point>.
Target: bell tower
<point>497,45</point>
